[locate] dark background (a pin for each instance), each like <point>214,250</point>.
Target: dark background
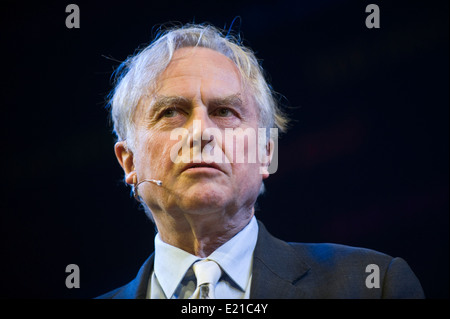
<point>364,164</point>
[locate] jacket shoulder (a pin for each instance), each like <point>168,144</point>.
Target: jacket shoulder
<point>355,272</point>
<point>329,253</point>
<point>114,294</point>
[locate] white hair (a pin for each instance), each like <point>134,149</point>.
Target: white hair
<point>137,76</point>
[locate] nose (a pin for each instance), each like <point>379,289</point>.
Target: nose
<point>198,138</point>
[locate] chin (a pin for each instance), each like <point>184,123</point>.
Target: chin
<point>204,200</point>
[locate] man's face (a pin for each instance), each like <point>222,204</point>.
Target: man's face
<point>199,86</point>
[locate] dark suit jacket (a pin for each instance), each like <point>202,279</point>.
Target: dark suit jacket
<point>297,270</point>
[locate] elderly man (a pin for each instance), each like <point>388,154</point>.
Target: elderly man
<point>209,243</point>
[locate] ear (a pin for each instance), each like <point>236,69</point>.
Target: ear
<point>267,158</point>
<point>126,160</point>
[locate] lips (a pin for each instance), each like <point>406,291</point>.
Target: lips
<point>201,165</point>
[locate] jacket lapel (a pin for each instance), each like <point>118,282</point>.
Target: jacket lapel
<point>277,268</point>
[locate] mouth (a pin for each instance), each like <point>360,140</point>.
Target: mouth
<point>201,167</point>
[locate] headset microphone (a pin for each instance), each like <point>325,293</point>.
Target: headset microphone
<point>136,185</point>
<point>155,181</point>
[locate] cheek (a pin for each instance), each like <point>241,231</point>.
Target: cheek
<point>242,147</point>
<point>153,153</point>
<point>247,179</point>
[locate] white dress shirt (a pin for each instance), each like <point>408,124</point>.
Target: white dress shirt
<point>173,276</point>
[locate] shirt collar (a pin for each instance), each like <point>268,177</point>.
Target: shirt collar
<point>172,263</point>
<point>236,255</point>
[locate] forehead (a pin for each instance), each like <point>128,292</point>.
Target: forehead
<point>200,72</point>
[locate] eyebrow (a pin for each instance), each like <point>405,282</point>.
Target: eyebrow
<point>164,101</point>
<point>230,100</point>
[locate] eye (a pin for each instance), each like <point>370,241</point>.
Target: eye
<point>170,112</point>
<point>223,112</point>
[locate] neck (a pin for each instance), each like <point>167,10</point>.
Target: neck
<point>202,234</point>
